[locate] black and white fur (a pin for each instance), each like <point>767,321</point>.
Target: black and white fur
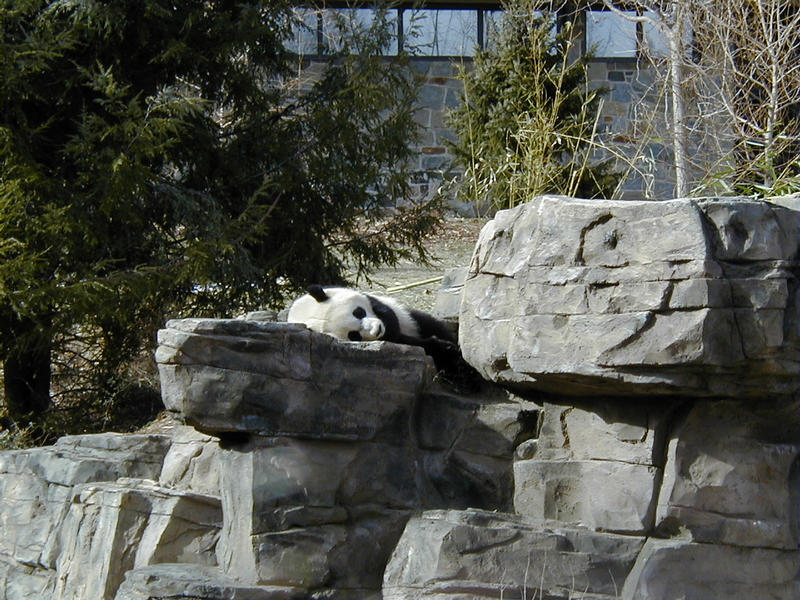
<point>348,314</point>
<point>357,316</point>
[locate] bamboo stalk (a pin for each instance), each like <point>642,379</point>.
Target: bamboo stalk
<point>407,286</point>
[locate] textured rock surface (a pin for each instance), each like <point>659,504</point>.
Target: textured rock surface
<point>602,429</point>
<point>19,581</point>
<point>604,495</point>
<point>731,475</point>
<point>467,444</point>
<point>192,462</point>
<point>36,485</point>
<point>344,441</point>
<point>43,545</point>
<point>472,554</point>
<point>593,464</point>
<point>282,379</point>
<point>321,461</point>
<point>111,528</point>
<point>690,571</point>
<point>730,480</point>
<point>170,581</point>
<point>679,297</point>
<point>296,511</point>
<point>659,345</point>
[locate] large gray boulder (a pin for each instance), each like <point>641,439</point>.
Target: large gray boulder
<point>275,379</point>
<point>731,475</point>
<point>300,512</point>
<point>652,451</point>
<point>683,297</point>
<point>76,515</point>
<point>37,485</point>
<point>452,555</point>
<point>111,528</point>
<point>659,345</point>
<point>680,569</point>
<point>596,464</point>
<point>336,445</point>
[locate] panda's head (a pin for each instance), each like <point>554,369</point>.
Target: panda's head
<point>343,313</point>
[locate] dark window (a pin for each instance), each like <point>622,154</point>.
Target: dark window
<point>428,32</point>
<point>458,30</point>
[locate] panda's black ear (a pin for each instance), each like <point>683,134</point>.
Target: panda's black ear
<point>317,292</point>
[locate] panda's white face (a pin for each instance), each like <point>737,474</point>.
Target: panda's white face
<point>343,313</point>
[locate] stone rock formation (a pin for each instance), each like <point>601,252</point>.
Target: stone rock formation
<point>694,297</point>
<point>659,342</point>
<point>642,442</point>
<point>477,554</point>
<point>300,464</point>
<point>76,516</point>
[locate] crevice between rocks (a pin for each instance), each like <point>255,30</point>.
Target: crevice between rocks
<point>604,218</point>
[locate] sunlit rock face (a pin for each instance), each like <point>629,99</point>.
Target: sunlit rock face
<point>682,297</point>
<point>640,439</point>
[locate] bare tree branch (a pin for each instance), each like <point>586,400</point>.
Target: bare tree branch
<point>734,99</point>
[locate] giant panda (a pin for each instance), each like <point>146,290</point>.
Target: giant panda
<point>356,316</point>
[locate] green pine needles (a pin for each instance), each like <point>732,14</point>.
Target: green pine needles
<point>163,159</point>
<point>528,121</point>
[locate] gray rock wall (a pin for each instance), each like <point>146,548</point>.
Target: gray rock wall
<point>685,297</point>
<point>344,442</point>
<point>76,516</point>
<point>314,455</point>
<point>659,342</point>
<point>649,448</point>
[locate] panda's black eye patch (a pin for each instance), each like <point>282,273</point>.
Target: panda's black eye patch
<point>354,336</point>
<point>359,313</point>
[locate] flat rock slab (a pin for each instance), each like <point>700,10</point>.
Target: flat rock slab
<point>170,581</point>
<point>680,297</point>
<point>193,582</point>
<point>77,459</point>
<point>451,555</point>
<point>280,379</point>
<point>691,571</point>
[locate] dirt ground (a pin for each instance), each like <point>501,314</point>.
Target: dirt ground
<point>451,247</point>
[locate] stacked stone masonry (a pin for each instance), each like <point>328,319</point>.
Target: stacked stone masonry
<point>630,107</point>
<point>637,438</point>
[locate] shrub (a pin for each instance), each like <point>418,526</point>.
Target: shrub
<point>528,119</point>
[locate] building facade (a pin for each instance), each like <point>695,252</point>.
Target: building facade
<point>444,36</point>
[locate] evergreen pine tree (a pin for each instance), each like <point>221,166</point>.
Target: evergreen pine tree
<point>163,158</point>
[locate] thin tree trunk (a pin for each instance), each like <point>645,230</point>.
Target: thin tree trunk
<point>680,134</point>
<point>770,27</point>
<point>26,370</point>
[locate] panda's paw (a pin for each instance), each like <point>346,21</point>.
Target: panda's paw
<point>462,379</point>
<point>438,344</point>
